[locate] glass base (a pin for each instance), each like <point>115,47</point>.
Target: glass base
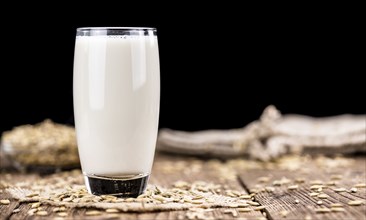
<point>121,186</point>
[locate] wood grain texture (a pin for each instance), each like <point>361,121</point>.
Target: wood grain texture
<point>169,169</point>
<point>166,171</point>
<point>282,202</point>
<point>197,170</point>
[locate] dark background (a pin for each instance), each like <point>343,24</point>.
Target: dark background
<point>219,68</point>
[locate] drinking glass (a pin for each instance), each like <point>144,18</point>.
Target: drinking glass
<point>116,90</point>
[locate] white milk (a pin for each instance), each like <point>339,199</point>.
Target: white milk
<point>116,103</point>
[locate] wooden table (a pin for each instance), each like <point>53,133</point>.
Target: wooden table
<point>287,189</point>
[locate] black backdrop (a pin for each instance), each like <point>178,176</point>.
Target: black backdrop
<point>217,70</point>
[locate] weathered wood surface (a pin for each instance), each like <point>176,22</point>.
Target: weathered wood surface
<point>288,202</point>
<point>238,175</point>
<point>166,171</point>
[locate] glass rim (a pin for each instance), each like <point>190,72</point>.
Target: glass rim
<point>114,28</point>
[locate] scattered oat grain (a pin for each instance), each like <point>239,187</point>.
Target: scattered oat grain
<point>259,208</point>
<point>5,201</point>
<point>277,183</point>
<point>263,179</point>
<point>340,190</point>
<point>245,197</point>
<point>32,195</point>
<point>112,210</point>
<point>226,211</point>
<point>243,205</point>
<point>42,213</point>
<point>284,213</point>
<point>253,203</point>
<point>35,205</point>
<point>233,205</point>
<point>93,212</point>
<point>331,183</point>
<point>336,177</point>
<point>293,187</point>
<point>315,187</point>
<point>62,214</point>
<point>322,210</point>
<point>68,199</point>
<point>353,189</point>
<point>16,210</point>
<point>323,196</point>
<point>269,189</point>
<point>336,205</point>
<point>244,209</point>
<point>337,209</point>
<point>360,185</point>
<point>197,201</point>
<point>31,211</point>
<point>300,180</point>
<point>59,209</point>
<point>355,202</point>
<point>129,200</point>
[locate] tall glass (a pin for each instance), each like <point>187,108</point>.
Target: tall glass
<point>116,106</point>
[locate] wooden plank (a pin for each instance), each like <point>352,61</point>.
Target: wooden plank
<point>284,203</point>
<point>6,210</point>
<point>277,201</point>
<point>166,171</point>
